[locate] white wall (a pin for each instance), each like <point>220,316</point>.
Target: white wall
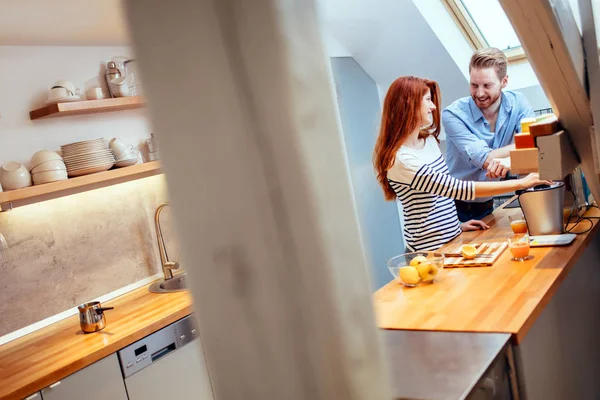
<point>26,72</point>
<point>62,23</point>
<point>520,75</point>
<point>333,47</point>
<point>390,38</point>
<point>447,32</point>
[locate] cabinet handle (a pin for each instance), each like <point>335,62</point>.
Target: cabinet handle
<point>33,396</point>
<point>55,384</point>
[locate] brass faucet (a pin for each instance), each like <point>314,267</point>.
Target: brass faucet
<point>167,266</point>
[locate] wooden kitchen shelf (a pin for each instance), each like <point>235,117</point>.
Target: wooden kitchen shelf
<point>88,107</point>
<point>48,191</point>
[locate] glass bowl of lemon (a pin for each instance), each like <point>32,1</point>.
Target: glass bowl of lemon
<point>418,268</point>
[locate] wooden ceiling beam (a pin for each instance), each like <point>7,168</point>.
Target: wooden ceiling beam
<point>553,45</point>
<point>590,46</point>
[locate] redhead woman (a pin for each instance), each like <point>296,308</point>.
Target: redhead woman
<point>410,167</point>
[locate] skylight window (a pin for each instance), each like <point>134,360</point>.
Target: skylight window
<point>485,24</point>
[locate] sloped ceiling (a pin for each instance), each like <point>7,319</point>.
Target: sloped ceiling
<point>390,38</point>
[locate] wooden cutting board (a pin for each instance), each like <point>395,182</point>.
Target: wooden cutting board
<point>493,248</point>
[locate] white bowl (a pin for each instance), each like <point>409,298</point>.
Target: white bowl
<point>52,165</point>
<point>127,156</point>
<point>126,163</point>
<point>43,156</point>
<point>14,175</point>
<point>49,176</point>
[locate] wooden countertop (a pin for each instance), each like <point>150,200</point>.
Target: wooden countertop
<point>505,298</point>
<point>31,363</point>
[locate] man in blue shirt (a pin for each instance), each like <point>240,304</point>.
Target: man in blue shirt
<point>480,129</point>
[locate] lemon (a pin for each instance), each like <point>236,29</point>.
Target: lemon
<point>409,275</point>
<point>468,251</point>
<point>427,271</point>
<point>418,260</point>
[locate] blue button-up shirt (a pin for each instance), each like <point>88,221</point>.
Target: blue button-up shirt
<point>469,140</point>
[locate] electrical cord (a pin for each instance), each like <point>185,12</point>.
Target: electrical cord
<point>579,219</point>
<point>592,206</point>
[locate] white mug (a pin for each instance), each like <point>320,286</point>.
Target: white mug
<point>94,94</point>
<point>58,92</point>
<point>71,89</point>
<point>119,148</point>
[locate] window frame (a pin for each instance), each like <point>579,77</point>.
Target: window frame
<point>473,34</point>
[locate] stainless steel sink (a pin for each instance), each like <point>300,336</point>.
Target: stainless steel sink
<point>175,284</point>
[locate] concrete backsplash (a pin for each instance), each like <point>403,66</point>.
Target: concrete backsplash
<point>66,251</point>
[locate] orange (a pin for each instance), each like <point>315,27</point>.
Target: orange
<point>519,226</point>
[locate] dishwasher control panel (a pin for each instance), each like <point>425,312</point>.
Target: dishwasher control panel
<point>144,352</point>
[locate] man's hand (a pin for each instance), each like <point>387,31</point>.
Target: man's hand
<point>502,152</point>
<point>473,225</point>
<point>498,168</point>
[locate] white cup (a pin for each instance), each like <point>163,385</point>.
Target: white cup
<point>58,92</point>
<point>94,94</point>
<point>71,89</point>
<point>119,148</point>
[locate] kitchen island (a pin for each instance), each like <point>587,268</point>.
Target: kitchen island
<point>549,305</point>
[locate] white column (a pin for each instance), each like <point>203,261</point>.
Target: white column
<point>241,104</point>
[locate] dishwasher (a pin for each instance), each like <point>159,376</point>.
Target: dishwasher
<point>167,364</point>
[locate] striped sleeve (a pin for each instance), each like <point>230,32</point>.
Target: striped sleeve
<point>426,180</point>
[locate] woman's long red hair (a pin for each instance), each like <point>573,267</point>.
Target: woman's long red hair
<point>400,117</point>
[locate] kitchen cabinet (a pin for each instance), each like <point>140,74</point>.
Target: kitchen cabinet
<point>35,396</point>
<point>99,381</point>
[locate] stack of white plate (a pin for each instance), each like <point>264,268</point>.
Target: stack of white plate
<point>87,157</point>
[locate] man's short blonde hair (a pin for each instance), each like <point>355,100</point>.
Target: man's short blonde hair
<point>488,58</point>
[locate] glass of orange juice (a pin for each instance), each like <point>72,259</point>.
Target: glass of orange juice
<point>519,246</point>
<point>518,223</point>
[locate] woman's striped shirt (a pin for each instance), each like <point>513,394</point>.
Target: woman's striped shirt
<point>423,185</point>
